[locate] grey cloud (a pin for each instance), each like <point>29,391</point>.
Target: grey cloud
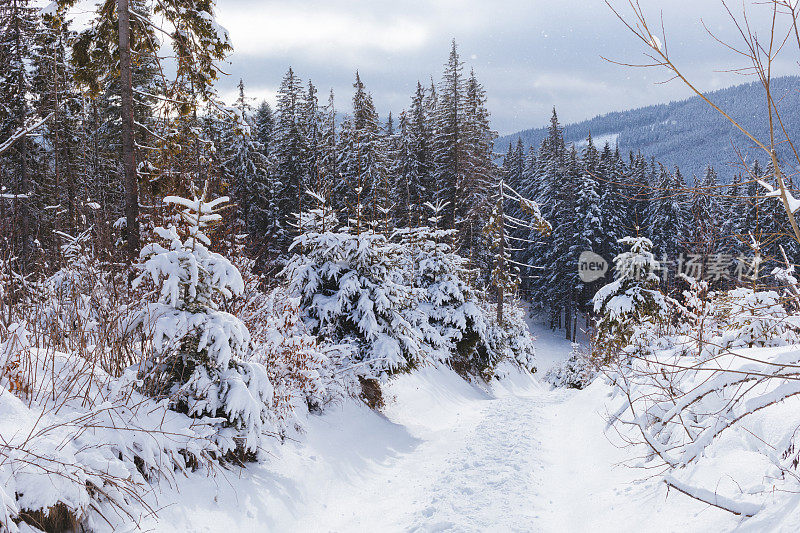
<point>530,55</point>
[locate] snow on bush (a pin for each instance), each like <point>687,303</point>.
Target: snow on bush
<point>81,307</point>
<point>82,444</point>
<point>13,371</point>
<point>301,370</point>
<point>576,372</point>
<point>200,359</point>
<point>747,318</point>
<point>717,389</point>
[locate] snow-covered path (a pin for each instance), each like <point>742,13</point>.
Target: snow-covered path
<point>449,456</point>
<point>526,458</point>
<point>481,471</point>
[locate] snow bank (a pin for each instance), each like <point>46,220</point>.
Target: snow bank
<point>90,443</point>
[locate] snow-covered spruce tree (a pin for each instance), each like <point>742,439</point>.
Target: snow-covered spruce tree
<point>288,150</point>
<point>706,211</point>
<point>631,299</point>
<point>576,372</point>
<point>362,162</point>
<point>199,358</point>
<point>448,313</point>
<point>552,188</point>
<point>588,232</point>
<point>353,291</point>
<point>448,139</point>
<point>668,216</point>
<point>246,167</point>
<point>414,166</point>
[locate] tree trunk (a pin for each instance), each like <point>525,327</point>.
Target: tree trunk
<point>20,198</point>
<point>128,149</point>
<point>575,327</point>
<point>500,257</point>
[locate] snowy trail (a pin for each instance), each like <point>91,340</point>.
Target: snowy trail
<point>483,471</point>
<point>448,456</point>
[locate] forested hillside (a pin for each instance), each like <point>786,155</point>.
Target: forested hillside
<point>688,133</point>
<point>593,196</point>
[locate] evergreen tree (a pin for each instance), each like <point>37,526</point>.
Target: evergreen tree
<point>363,163</point>
<point>102,56</point>
<point>773,230</point>
<point>18,25</point>
<point>264,131</point>
<point>200,352</point>
<point>329,176</point>
<point>638,192</point>
<point>415,159</point>
<point>505,271</point>
<point>630,299</point>
<point>706,223</point>
<point>734,208</point>
<point>449,146</point>
<point>312,129</point>
<point>55,95</point>
<point>589,230</point>
<point>668,216</point>
<point>531,187</point>
<point>481,174</point>
<point>613,201</point>
<point>246,167</point>
<point>562,274</point>
<point>266,215</point>
<point>554,177</point>
<point>290,156</point>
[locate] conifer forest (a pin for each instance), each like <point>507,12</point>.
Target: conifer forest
<point>329,295</point>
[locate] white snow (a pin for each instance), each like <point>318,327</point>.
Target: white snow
<point>610,138</point>
<point>448,456</point>
<point>655,42</point>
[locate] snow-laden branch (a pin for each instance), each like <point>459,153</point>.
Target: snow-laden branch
<point>22,132</point>
<point>772,192</point>
<point>737,507</point>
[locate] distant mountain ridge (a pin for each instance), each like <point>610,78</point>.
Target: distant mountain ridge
<point>689,133</point>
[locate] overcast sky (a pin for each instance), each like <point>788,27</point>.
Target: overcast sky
<point>529,54</point>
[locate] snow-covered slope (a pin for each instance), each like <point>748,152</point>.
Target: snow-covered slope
<point>687,133</point>
<point>447,456</point>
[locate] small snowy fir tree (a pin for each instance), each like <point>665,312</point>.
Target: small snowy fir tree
<point>448,314</point>
<point>200,352</point>
<point>576,372</point>
<point>353,291</point>
<point>630,299</point>
<point>754,319</point>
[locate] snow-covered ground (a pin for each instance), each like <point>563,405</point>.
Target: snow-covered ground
<point>551,346</point>
<point>448,456</point>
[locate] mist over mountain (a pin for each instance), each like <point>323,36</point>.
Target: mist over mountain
<point>689,133</point>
